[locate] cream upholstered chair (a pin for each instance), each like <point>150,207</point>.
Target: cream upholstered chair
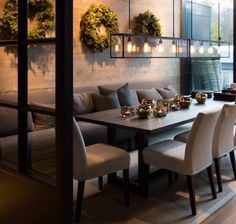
<point>223,140</point>
<point>188,159</point>
<point>95,161</point>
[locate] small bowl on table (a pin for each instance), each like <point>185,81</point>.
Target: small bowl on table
<point>201,98</point>
<point>144,111</point>
<point>185,102</point>
<point>127,111</point>
<point>160,111</point>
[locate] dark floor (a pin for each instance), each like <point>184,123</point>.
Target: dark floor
<point>24,200</point>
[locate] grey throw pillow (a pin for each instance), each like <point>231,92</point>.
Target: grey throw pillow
<point>150,94</point>
<point>9,122</point>
<point>83,103</point>
<point>108,102</point>
<point>43,121</point>
<point>168,92</point>
<point>123,93</point>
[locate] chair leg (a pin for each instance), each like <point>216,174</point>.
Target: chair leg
<point>191,195</point>
<point>130,144</point>
<point>100,183</point>
<point>210,177</point>
<point>170,178</point>
<point>218,175</point>
<point>176,176</point>
<point>126,186</point>
<point>232,158</point>
<point>145,182</point>
<point>80,195</point>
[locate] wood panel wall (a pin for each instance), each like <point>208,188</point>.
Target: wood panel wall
<point>97,69</point>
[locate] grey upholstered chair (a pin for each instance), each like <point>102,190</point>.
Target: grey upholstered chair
<point>95,161</point>
<point>223,140</point>
<point>188,159</point>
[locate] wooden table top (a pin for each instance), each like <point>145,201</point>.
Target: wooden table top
<point>112,118</point>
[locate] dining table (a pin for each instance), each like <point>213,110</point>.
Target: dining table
<point>144,128</point>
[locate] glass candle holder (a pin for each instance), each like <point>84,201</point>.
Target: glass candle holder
<point>159,111</point>
<point>144,111</point>
<point>127,111</point>
<point>174,106</point>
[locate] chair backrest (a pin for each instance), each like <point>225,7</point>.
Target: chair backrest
<point>199,145</point>
<point>223,140</point>
<point>79,153</point>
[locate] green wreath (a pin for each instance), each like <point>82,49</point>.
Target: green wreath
<point>39,10</point>
<point>96,26</point>
<point>147,24</point>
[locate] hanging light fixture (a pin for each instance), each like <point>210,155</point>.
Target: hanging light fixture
<point>161,47</point>
<point>210,49</point>
<point>214,49</point>
<point>129,45</point>
<point>140,46</point>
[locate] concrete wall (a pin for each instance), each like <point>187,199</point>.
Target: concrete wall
<point>95,69</point>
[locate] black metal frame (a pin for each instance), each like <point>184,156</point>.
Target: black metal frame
<point>63,112</point>
<point>123,35</point>
<point>123,56</point>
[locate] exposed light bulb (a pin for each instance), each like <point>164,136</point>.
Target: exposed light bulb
<point>192,49</point>
<point>129,45</point>
<point>146,46</point>
<point>161,48</point>
<point>210,49</point>
<point>134,48</point>
<point>117,48</point>
<point>201,49</point>
<point>180,50</point>
<point>174,48</point>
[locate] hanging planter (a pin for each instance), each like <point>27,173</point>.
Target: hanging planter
<point>39,11</point>
<point>96,26</point>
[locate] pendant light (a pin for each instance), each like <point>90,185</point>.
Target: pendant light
<point>129,43</point>
<point>210,49</point>
<point>146,46</point>
<point>201,48</point>
<point>192,47</point>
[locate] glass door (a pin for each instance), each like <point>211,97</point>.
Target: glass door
<point>36,85</point>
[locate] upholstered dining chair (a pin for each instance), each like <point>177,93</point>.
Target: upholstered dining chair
<point>96,161</point>
<point>188,159</point>
<point>223,140</point>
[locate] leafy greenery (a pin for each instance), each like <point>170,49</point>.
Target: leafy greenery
<point>148,24</point>
<point>41,11</point>
<point>96,26</point>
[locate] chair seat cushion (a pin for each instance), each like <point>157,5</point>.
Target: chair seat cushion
<point>104,159</point>
<point>182,137</point>
<point>168,154</point>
